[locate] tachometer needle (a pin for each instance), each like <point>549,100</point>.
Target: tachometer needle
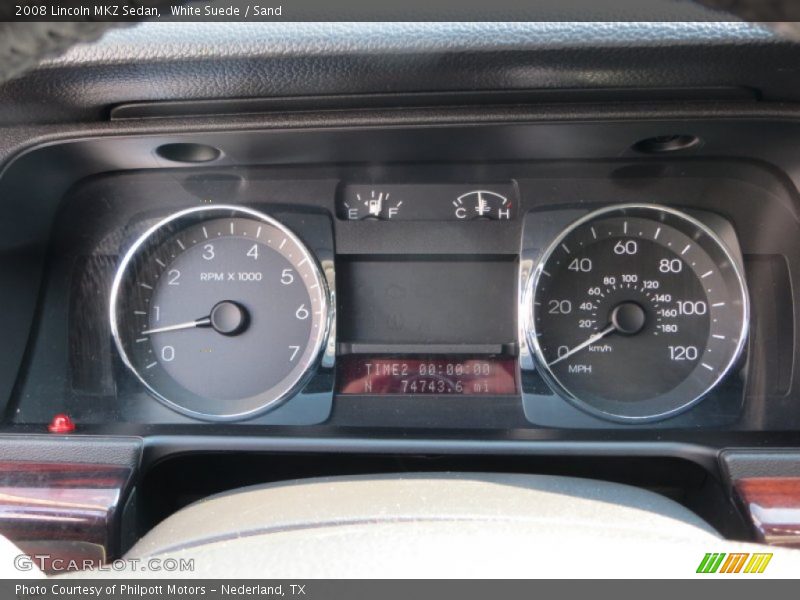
<point>597,336</point>
<point>204,322</point>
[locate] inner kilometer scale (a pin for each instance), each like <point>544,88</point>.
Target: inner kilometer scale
<point>636,312</point>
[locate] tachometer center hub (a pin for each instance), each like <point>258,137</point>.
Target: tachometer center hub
<point>229,318</point>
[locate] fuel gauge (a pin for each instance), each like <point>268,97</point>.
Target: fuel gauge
<point>374,204</point>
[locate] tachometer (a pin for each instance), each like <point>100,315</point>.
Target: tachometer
<point>221,312</point>
<point>636,312</point>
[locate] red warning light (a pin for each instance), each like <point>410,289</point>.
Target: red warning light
<point>61,423</point>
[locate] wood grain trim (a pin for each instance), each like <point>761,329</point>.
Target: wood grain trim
<point>64,510</point>
<point>773,504</point>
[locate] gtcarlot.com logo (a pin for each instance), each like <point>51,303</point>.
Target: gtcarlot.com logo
<point>51,564</point>
<point>741,562</point>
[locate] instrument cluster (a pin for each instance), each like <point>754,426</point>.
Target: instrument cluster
<point>632,312</point>
<point>415,303</point>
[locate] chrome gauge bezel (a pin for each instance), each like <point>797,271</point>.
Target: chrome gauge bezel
<point>191,216</point>
<point>531,333</point>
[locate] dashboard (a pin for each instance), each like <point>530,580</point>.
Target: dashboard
<point>236,256</point>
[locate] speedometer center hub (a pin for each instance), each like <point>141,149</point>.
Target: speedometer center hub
<point>628,318</point>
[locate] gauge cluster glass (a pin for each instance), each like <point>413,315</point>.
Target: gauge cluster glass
<point>220,312</point>
<point>635,312</point>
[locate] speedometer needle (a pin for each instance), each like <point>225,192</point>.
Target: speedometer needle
<point>597,336</point>
<point>204,322</point>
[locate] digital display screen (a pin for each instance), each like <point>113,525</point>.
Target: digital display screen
<point>426,301</point>
<point>434,375</point>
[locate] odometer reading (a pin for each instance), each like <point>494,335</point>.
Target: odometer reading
<point>637,311</point>
<point>435,375</point>
<point>220,312</point>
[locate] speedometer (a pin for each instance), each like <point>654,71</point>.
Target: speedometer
<point>221,312</point>
<point>636,312</point>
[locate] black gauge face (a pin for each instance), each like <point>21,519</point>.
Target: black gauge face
<point>220,312</point>
<point>637,312</point>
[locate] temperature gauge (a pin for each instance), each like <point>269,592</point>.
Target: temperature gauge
<point>482,204</point>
